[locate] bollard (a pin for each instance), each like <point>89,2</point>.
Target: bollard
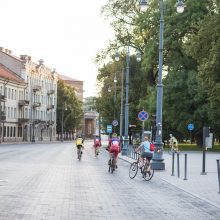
<point>203,163</point>
<point>218,170</point>
<point>185,170</point>
<point>178,165</point>
<point>135,155</point>
<point>173,159</point>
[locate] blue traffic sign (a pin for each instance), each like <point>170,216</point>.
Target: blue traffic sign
<point>190,127</point>
<point>143,116</point>
<point>115,123</point>
<point>109,128</point>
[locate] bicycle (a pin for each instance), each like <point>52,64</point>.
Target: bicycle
<point>79,152</point>
<point>96,151</point>
<point>146,171</point>
<point>112,163</point>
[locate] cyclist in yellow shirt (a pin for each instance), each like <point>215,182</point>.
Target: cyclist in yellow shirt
<point>79,145</point>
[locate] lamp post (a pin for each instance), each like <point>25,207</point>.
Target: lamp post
<point>62,124</point>
<point>62,116</point>
<point>126,139</point>
<point>157,161</point>
<point>122,99</point>
<point>115,81</point>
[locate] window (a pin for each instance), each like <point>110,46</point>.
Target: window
<point>6,95</point>
<point>14,131</point>
<point>11,112</point>
<point>15,113</point>
<point>9,115</point>
<point>9,93</point>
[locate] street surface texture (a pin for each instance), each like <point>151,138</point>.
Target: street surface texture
<point>47,182</point>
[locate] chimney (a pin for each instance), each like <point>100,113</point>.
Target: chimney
<point>2,49</point>
<point>41,62</point>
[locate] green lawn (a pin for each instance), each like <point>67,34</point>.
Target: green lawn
<point>193,147</point>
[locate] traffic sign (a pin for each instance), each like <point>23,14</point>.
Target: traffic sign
<point>143,116</point>
<point>115,123</point>
<point>190,127</point>
<point>109,128</point>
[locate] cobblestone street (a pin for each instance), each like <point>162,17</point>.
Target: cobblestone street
<point>47,182</point>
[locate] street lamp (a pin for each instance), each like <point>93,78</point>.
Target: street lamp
<point>126,139</point>
<point>115,81</point>
<point>157,161</point>
<point>62,122</point>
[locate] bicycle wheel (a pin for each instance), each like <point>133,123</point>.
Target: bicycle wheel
<point>79,154</point>
<point>96,152</point>
<point>133,170</point>
<point>147,172</point>
<point>113,165</point>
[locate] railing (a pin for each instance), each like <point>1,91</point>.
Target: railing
<point>50,107</point>
<point>23,120</point>
<point>2,98</point>
<point>131,152</point>
<point>50,92</point>
<point>36,88</point>
<point>36,105</point>
<point>23,102</point>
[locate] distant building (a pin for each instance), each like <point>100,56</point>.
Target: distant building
<point>91,117</point>
<point>28,99</point>
<point>74,83</point>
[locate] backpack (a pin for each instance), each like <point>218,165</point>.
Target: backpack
<point>115,146</point>
<point>151,147</point>
<point>79,141</point>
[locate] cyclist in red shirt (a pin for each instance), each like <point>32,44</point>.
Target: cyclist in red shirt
<point>97,144</point>
<point>114,147</point>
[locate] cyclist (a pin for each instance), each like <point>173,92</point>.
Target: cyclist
<point>114,148</point>
<point>145,149</point>
<point>79,145</point>
<point>97,144</point>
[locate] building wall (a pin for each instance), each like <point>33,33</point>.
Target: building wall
<point>36,120</point>
<point>78,86</point>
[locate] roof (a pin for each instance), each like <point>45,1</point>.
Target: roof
<point>8,74</point>
<point>66,78</point>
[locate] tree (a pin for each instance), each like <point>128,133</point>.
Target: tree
<point>71,107</point>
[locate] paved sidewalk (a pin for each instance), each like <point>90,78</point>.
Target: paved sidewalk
<point>205,187</point>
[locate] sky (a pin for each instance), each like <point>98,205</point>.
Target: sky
<point>66,34</point>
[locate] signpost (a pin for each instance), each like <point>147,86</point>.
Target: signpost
<point>190,128</point>
<point>143,116</point>
<point>109,129</point>
<point>115,123</point>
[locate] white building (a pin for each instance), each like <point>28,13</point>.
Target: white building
<point>28,99</point>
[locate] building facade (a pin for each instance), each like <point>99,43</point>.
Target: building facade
<point>28,93</point>
<point>76,84</point>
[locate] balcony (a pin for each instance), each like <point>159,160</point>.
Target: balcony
<point>36,105</point>
<point>39,121</point>
<point>49,107</point>
<point>3,117</point>
<point>50,92</point>
<point>2,98</point>
<point>51,122</point>
<point>23,120</point>
<point>36,88</point>
<point>23,103</point>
